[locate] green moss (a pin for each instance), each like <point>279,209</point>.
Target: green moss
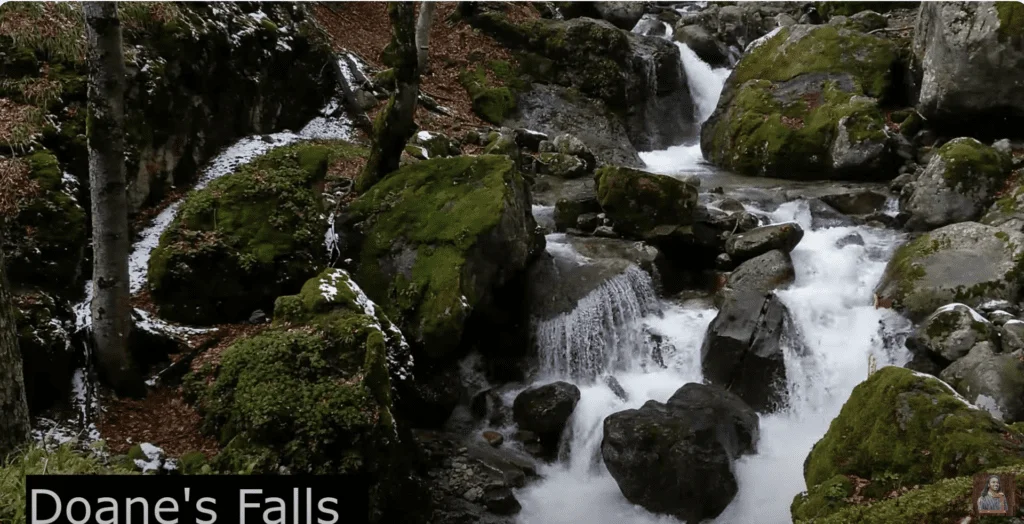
<point>903,429</point>
<point>1011,20</point>
<point>826,49</point>
<point>430,215</point>
<point>194,463</point>
<point>637,201</point>
<point>246,238</point>
<point>35,460</point>
<point>834,8</point>
<point>492,101</point>
<point>972,165</point>
<point>823,499</point>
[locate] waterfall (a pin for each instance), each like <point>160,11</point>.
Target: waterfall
<point>597,336</point>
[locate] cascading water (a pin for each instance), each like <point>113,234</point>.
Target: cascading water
<point>834,320</point>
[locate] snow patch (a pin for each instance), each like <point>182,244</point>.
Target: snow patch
<point>424,135</point>
<point>989,404</point>
<point>154,458</point>
<point>974,314</point>
<point>757,43</point>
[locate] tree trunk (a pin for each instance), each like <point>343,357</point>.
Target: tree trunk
<point>396,122</point>
<point>423,36</point>
<point>14,421</point>
<point>111,313</point>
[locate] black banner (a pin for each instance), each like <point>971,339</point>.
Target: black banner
<point>199,499</point>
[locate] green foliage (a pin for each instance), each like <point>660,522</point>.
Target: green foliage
<point>637,201</point>
<point>823,499</point>
<point>36,460</point>
<point>246,238</point>
<point>492,101</point>
<point>901,428</point>
<point>1011,21</point>
<point>432,213</point>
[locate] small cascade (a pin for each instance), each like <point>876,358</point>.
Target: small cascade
<point>598,336</point>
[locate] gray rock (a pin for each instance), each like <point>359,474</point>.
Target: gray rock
<point>490,406</point>
<point>545,410</point>
<point>561,165</point>
<point>998,318</point>
<point>958,184</point>
<point>567,144</point>
<point>853,239</point>
<point>761,240</point>
<point>967,262</point>
<point>743,348</point>
<point>529,139</point>
<point>676,458</point>
<point>923,363</point>
<point>763,274</point>
<point>501,501</point>
<point>972,65</point>
<point>951,332</point>
<point>998,305</point>
<point>623,15</point>
<point>704,44</point>
<point>990,381</point>
<point>856,202</point>
<point>1011,335</point>
<point>825,216</point>
<point>867,21</point>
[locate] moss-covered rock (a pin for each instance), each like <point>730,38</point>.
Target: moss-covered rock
<point>900,428</point>
<point>492,88</point>
<point>436,239</point>
<point>805,104</point>
<point>45,237</point>
<point>314,393</point>
<point>44,338</point>
<point>561,165</point>
<point>822,500</point>
<point>246,238</point>
<point>435,144</point>
<point>637,201</point>
<point>959,183</point>
<point>968,262</point>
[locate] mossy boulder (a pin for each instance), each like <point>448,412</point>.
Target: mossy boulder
<point>637,201</point>
<point>1008,211</point>
<point>44,325</point>
<point>435,144</point>
<point>45,234</point>
<point>971,58</point>
<point>822,500</point>
<point>313,394</point>
<point>950,332</point>
<point>900,428</point>
<point>492,89</point>
<point>246,238</point>
<point>960,182</point>
<point>991,380</point>
<point>806,104</point>
<point>970,263</point>
<point>561,165</point>
<point>435,240</point>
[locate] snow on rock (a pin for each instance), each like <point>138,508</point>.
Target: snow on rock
<point>154,460</point>
<point>974,314</point>
<point>424,135</point>
<point>753,45</point>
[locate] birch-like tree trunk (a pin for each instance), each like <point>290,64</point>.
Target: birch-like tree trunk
<point>111,313</point>
<point>426,17</point>
<point>396,122</point>
<point>14,421</point>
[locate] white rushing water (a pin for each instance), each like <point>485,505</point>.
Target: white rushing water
<point>834,320</point>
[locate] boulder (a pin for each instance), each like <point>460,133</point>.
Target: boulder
<point>623,15</point>
<point>789,111</point>
<point>704,44</point>
<point>744,346</point>
<point>434,241</point>
<point>245,239</point>
<point>887,424</point>
<point>967,262</point>
<point>867,21</point>
<point>1011,335</point>
<point>763,274</point>
<point>489,405</point>
<point>950,332</point>
<point>313,393</point>
<point>856,202</point>
<point>676,458</point>
<point>545,410</point>
<point>756,242</point>
<point>561,165</point>
<point>959,183</point>
<point>529,139</point>
<point>435,144</point>
<point>567,144</point>
<point>991,381</point>
<point>825,216</point>
<point>569,210</point>
<point>637,201</point>
<point>972,66</point>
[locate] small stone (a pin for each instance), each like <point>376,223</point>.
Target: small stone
<point>258,317</point>
<point>493,438</point>
<point>605,232</point>
<point>473,494</point>
<point>501,501</point>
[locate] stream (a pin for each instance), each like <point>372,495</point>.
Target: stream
<point>834,320</point>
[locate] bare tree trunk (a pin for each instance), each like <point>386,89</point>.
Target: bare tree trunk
<point>111,313</point>
<point>14,421</point>
<point>426,17</point>
<point>396,123</point>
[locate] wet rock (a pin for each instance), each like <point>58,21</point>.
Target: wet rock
<point>989,380</point>
<point>958,184</point>
<point>971,60</point>
<point>561,165</point>
<point>616,388</point>
<point>756,242</point>
<point>743,348</point>
<point>637,201</point>
<point>545,410</point>
<point>493,438</point>
<point>587,222</point>
<point>763,274</point>
<point>824,215</point>
<point>676,458</point>
<point>967,262</point>
<point>704,44</point>
<point>501,501</point>
<point>623,15</point>
<point>490,406</point>
<point>567,144</point>
<point>528,139</point>
<point>950,332</point>
<point>924,363</point>
<point>853,239</point>
<point>858,202</point>
<point>430,399</point>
